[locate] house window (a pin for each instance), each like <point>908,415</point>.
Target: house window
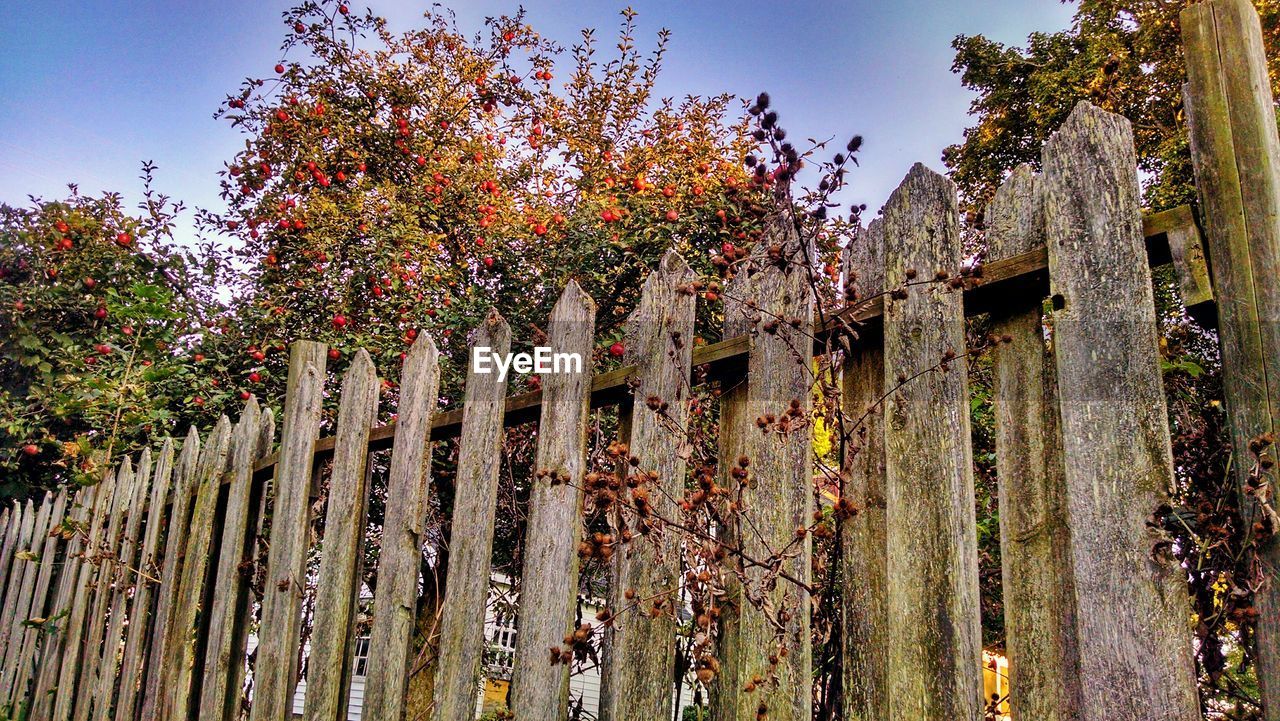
<point>500,632</point>
<point>361,665</point>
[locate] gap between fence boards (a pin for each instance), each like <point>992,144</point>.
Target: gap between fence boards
<point>1022,275</point>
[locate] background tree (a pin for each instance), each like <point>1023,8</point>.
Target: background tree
<point>393,184</point>
<point>1126,56</point>
<point>398,184</point>
<point>97,306</point>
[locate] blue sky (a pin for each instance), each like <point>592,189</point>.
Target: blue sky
<point>93,87</point>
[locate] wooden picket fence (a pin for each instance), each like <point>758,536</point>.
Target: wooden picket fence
<point>131,599</point>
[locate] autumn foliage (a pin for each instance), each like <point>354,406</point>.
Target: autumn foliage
<point>390,185</point>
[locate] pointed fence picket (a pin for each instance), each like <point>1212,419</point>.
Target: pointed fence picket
<point>539,688</point>
<point>338,585</point>
<point>641,646</point>
<point>474,509</point>
<point>141,618</point>
<point>864,635</point>
<point>1044,678</point>
<point>409,478</point>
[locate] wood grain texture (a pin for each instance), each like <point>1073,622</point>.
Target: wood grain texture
<point>1191,267</point>
<point>1235,152</point>
<point>110,573</point>
<point>47,542</point>
<point>1039,604</point>
<point>22,528</point>
<point>935,657</point>
<point>640,672</point>
<point>228,622</point>
<point>276,671</point>
<point>408,483</point>
<point>462,640</point>
<point>11,522</point>
<point>171,573</point>
<point>337,589</point>
<point>186,643</point>
<point>549,577</point>
<point>778,313</point>
<point>65,696</point>
<point>17,601</point>
<point>141,609</point>
<point>127,580</point>
<point>1022,274</point>
<point>51,656</point>
<point>1132,609</point>
<point>734,424</point>
<point>864,640</point>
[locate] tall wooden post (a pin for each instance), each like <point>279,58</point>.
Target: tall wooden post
<point>170,573</point>
<point>185,646</point>
<point>40,604</point>
<point>474,508</point>
<point>228,623</point>
<point>141,618</point>
<point>409,482</point>
<point>865,638</point>
<point>51,657</point>
<point>65,701</point>
<point>17,599</point>
<point>734,424</point>
<point>1131,594</point>
<point>275,674</point>
<point>126,582</point>
<point>935,647</point>
<point>1039,603</point>
<point>338,585</point>
<point>549,577</point>
<point>638,676</point>
<point>95,623</point>
<point>1236,155</point>
<point>765,650</point>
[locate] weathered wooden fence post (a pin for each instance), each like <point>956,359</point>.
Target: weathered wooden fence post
<point>338,585</point>
<point>641,663</point>
<point>935,654</point>
<point>228,623</point>
<point>1039,605</point>
<point>549,578</point>
<point>17,599</point>
<point>51,658</point>
<point>771,442</point>
<point>9,531</point>
<point>275,674</point>
<point>126,581</point>
<point>475,500</point>
<point>141,612</point>
<point>734,424</point>
<point>1236,155</point>
<point>109,573</point>
<point>864,639</point>
<point>17,543</point>
<point>1132,609</point>
<point>184,647</point>
<point>65,699</point>
<point>409,482</point>
<point>171,573</point>
<point>49,563</point>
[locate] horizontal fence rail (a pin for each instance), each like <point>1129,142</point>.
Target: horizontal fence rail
<point>1172,236</point>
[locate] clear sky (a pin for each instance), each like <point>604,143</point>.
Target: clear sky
<point>93,87</point>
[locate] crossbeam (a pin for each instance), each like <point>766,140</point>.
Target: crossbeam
<point>1020,276</point>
